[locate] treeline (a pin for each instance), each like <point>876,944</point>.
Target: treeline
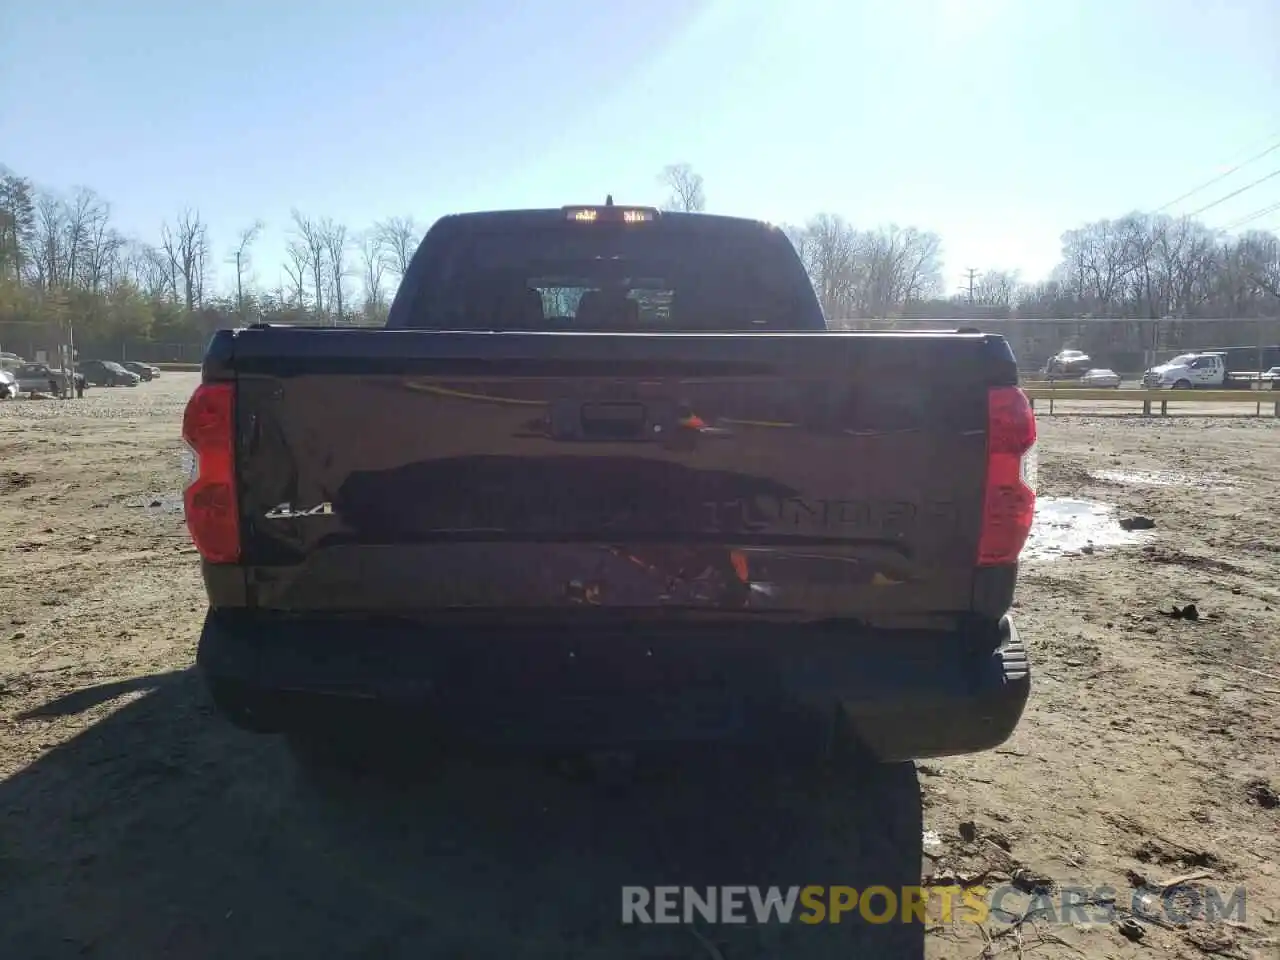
<point>65,266</point>
<point>1142,266</point>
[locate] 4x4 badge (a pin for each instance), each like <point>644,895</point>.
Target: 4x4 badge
<point>285,511</point>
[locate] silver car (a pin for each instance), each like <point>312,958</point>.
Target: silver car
<point>1101,378</point>
<point>41,378</point>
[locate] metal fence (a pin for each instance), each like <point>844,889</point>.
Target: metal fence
<point>1127,345</point>
<point>1124,344</point>
<point>162,352</point>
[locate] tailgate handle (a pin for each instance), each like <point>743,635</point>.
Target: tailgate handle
<point>613,421</point>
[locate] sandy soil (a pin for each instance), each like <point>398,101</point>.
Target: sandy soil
<point>136,824</point>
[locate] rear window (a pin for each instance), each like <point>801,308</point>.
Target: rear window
<point>566,275</point>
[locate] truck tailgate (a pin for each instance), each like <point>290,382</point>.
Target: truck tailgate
<point>799,476</point>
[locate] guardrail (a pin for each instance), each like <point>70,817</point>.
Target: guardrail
<point>1150,397</point>
<point>179,367</point>
<point>1136,381</point>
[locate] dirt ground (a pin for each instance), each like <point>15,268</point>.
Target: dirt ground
<point>136,824</point>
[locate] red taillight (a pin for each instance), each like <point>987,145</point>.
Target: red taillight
<point>213,515</point>
<point>1009,499</point>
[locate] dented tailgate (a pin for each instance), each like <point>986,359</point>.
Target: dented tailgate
<point>804,476</point>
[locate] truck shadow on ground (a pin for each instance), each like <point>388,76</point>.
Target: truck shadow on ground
<point>162,832</point>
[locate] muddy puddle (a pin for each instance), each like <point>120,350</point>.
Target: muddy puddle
<point>1064,526</point>
<point>1160,478</point>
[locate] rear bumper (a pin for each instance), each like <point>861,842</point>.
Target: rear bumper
<point>903,694</point>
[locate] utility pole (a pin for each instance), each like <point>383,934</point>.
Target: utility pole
<point>69,380</point>
<point>239,288</point>
<point>973,276</point>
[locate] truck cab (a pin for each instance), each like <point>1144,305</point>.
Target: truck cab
<point>1188,371</point>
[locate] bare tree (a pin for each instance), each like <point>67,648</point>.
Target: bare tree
<point>685,188</point>
<point>312,235</point>
<point>144,267</point>
<point>169,251</point>
<point>828,246</point>
<point>241,259</point>
<point>373,258</point>
<point>399,237</point>
<point>1259,257</point>
<point>50,242</point>
<point>85,212</point>
<point>867,273</point>
<point>102,250</point>
<point>914,260</point>
<point>335,248</point>
<point>997,288</point>
<point>297,268</point>
<point>1102,256</point>
<point>186,247</point>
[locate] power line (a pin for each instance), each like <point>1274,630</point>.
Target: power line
<point>1250,217</point>
<point>1222,176</point>
<point>1235,193</point>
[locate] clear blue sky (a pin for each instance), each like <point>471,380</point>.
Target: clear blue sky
<point>997,123</point>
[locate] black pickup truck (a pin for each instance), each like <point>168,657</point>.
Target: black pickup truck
<point>605,480</point>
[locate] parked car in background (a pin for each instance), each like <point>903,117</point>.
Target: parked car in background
<point>42,378</point>
<point>8,385</point>
<point>10,361</point>
<point>1100,377</point>
<point>108,373</point>
<point>143,370</point>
